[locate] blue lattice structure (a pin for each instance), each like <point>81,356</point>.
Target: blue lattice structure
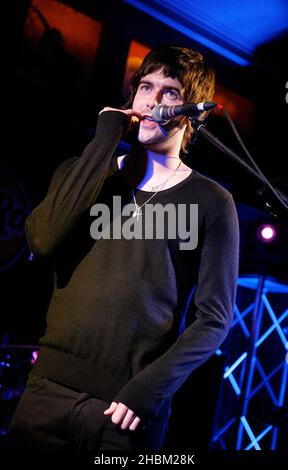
<point>252,406</point>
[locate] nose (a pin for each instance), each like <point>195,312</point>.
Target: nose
<point>154,99</point>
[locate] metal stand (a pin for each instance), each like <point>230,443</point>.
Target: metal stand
<point>252,407</point>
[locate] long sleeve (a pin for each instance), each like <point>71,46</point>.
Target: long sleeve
<point>74,187</point>
<point>213,303</point>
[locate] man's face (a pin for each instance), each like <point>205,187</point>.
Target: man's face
<point>154,89</point>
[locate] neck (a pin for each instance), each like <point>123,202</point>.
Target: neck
<point>158,163</point>
<point>149,165</point>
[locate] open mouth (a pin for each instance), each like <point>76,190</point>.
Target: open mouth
<point>158,123</point>
<point>149,121</point>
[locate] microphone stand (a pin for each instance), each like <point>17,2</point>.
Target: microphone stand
<point>243,404</point>
<point>200,127</point>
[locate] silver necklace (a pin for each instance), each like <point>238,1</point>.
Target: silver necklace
<point>138,209</point>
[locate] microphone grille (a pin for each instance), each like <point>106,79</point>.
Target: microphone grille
<point>157,113</point>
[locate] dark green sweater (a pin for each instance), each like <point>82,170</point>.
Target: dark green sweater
<point>116,322</point>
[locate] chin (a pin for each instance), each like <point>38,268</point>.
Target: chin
<point>154,139</point>
<point>145,140</point>
<point>151,143</point>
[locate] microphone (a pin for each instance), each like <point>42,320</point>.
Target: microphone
<point>163,113</point>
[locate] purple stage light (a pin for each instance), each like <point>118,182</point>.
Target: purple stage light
<point>267,233</point>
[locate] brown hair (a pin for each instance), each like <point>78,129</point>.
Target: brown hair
<point>189,67</point>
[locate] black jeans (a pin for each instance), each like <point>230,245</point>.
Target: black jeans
<point>50,416</point>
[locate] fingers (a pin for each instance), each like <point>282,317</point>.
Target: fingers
<point>134,115</point>
<point>111,409</point>
<point>122,416</point>
<point>127,420</point>
<point>135,423</point>
<point>107,108</point>
<point>120,413</point>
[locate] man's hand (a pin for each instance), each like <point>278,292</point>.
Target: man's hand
<point>123,416</point>
<point>134,116</point>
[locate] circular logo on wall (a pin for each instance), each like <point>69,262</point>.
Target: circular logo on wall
<point>14,209</point>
